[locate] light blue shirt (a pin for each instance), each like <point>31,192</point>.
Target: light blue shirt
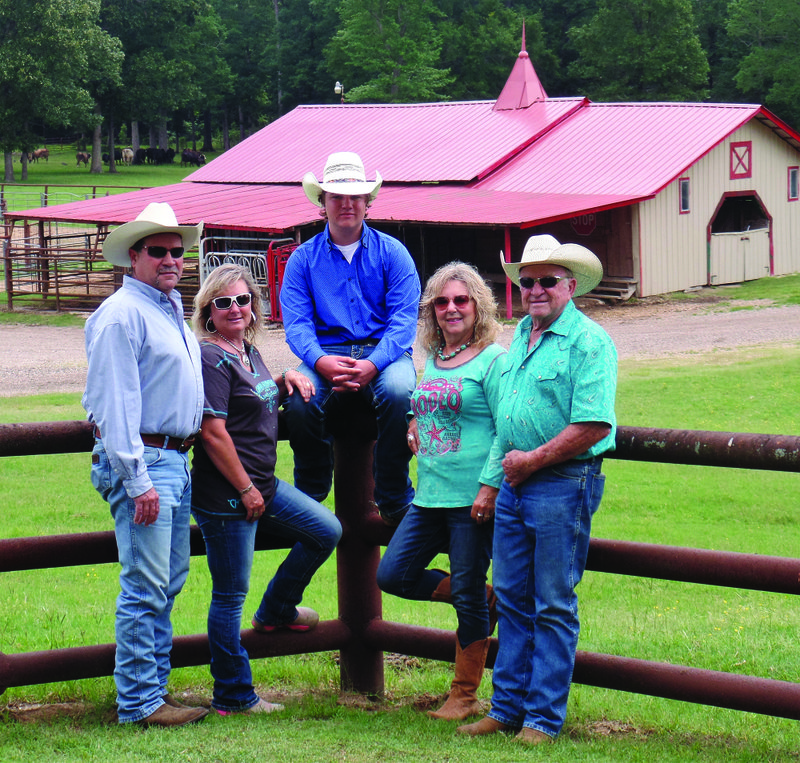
<point>569,377</point>
<point>144,377</point>
<point>328,301</point>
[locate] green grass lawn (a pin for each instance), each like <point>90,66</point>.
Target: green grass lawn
<point>745,632</point>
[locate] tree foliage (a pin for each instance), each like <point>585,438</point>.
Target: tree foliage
<point>641,50</point>
<point>767,30</point>
<point>52,52</point>
<point>392,48</point>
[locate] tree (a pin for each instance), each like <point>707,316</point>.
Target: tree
<point>641,50</point>
<point>768,71</point>
<point>391,48</point>
<point>172,57</point>
<point>47,63</point>
<point>481,40</point>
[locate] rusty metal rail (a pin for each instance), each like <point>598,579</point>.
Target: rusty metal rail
<point>360,633</point>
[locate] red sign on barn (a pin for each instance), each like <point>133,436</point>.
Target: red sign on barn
<point>584,225</point>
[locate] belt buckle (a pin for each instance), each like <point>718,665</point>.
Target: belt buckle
<point>185,445</point>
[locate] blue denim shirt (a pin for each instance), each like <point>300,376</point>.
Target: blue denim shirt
<point>327,301</point>
<point>144,376</point>
<point>569,377</point>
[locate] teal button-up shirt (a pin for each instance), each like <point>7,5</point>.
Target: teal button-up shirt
<point>569,377</point>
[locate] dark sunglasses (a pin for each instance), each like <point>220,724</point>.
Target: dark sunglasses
<point>159,252</point>
<point>546,282</point>
<point>226,303</point>
<point>460,301</point>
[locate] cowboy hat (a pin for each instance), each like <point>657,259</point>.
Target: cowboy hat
<point>585,267</point>
<point>344,174</point>
<point>156,217</point>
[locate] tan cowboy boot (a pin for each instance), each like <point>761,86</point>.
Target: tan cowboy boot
<point>463,702</point>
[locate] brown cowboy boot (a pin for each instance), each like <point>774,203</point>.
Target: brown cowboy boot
<point>442,593</point>
<point>463,701</point>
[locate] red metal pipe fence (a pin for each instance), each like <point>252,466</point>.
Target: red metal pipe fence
<point>362,636</point>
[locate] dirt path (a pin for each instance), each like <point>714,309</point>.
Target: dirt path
<point>40,359</point>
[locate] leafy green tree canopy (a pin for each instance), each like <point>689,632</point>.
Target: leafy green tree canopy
<point>50,53</point>
<point>641,50</point>
<point>391,48</point>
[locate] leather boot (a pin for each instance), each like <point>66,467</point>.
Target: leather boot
<point>463,701</point>
<point>483,727</point>
<point>442,593</point>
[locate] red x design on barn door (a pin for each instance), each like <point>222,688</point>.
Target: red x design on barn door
<point>741,160</point>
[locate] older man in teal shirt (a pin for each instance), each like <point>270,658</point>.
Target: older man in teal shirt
<point>554,423</point>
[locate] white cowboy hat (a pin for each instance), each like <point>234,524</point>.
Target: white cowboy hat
<point>344,174</point>
<point>545,250</point>
<point>156,217</point>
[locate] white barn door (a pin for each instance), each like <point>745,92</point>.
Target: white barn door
<point>739,256</point>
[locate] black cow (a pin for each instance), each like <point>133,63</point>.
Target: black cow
<point>140,156</point>
<point>189,157</point>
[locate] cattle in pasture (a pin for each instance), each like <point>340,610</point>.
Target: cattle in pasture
<point>140,156</point>
<point>189,157</point>
<point>117,156</point>
<point>127,156</point>
<point>84,157</point>
<point>34,156</point>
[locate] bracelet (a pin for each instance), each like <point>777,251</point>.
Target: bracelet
<point>283,374</point>
<point>246,490</point>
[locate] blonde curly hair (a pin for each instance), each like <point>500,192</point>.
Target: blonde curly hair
<point>486,325</point>
<point>219,280</point>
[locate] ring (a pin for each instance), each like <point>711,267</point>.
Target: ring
<point>410,437</point>
<point>480,515</point>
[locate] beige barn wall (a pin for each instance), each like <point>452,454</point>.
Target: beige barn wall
<point>673,247</point>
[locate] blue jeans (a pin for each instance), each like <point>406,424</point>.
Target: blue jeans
<point>155,563</point>
<point>389,394</point>
<point>541,539</point>
<point>230,544</point>
<point>422,535</point>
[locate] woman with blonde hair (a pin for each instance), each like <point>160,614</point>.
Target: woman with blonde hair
<point>235,493</point>
<point>451,431</point>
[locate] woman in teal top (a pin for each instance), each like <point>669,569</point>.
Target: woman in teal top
<point>451,431</point>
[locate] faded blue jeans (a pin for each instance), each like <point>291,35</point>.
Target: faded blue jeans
<point>422,535</point>
<point>155,564</point>
<point>541,540</point>
<point>389,394</point>
<point>230,545</point>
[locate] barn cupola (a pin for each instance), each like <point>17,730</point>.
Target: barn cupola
<point>522,87</point>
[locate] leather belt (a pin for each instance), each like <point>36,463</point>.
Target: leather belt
<point>162,441</point>
<point>167,442</point>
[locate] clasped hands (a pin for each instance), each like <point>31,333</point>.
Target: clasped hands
<point>344,373</point>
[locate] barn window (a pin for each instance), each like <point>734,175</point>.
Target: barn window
<point>742,160</point>
<point>794,190</point>
<point>683,188</point>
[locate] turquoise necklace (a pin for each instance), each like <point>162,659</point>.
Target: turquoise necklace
<point>442,356</point>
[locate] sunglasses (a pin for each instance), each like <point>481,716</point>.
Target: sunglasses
<point>546,282</point>
<point>159,252</point>
<point>226,303</point>
<point>460,301</point>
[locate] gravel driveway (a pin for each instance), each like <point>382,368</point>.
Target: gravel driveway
<point>41,359</point>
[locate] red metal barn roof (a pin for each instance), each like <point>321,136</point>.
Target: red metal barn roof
<point>273,208</point>
<point>620,148</point>
<point>406,143</point>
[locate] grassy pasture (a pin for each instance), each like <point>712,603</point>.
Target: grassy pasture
<point>702,626</point>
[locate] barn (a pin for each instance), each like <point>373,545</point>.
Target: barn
<point>669,195</point>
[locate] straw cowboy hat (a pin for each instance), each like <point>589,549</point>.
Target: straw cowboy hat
<point>545,250</point>
<point>156,217</point>
<point>344,174</point>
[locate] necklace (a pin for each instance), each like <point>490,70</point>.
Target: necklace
<point>442,356</point>
<point>242,352</point>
